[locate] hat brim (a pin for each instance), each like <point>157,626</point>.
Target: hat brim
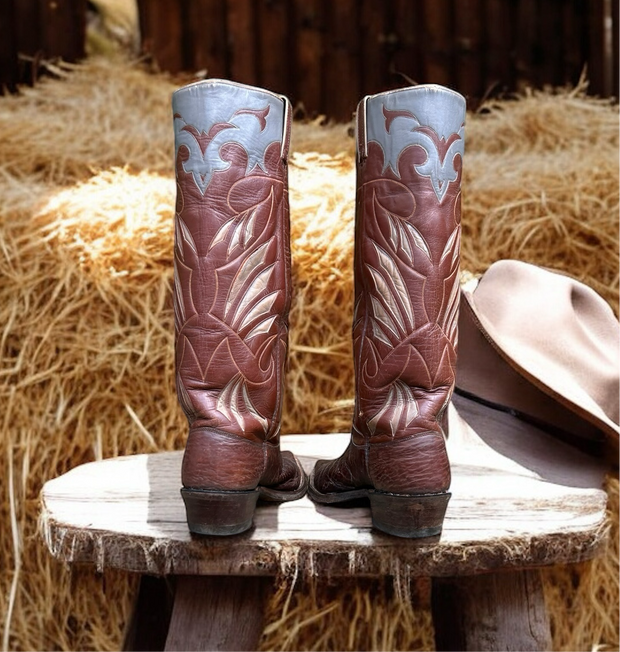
<point>480,435</point>
<point>559,388</point>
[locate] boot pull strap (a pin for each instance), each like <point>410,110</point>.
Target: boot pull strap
<point>361,134</point>
<point>286,128</point>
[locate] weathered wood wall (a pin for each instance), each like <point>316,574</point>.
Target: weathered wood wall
<point>327,54</point>
<point>33,30</point>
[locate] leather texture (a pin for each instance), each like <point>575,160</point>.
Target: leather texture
<point>232,283</point>
<point>407,239</point>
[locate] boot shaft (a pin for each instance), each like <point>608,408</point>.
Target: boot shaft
<point>232,257</point>
<point>410,149</point>
<point>407,237</point>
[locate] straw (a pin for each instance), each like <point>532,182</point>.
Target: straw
<point>86,327</point>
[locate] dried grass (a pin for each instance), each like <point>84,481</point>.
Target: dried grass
<point>86,326</point>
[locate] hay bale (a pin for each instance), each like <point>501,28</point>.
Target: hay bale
<point>86,364</point>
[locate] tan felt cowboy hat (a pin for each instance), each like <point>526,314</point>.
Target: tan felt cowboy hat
<point>545,348</point>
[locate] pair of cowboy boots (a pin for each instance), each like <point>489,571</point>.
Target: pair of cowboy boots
<point>232,294</point>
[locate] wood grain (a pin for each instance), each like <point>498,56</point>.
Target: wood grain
<point>548,68</point>
<point>468,38</point>
<point>217,613</point>
<point>438,50</point>
<point>63,27</point>
<point>374,32</point>
<point>596,55</point>
<point>306,86</point>
<point>525,43</point>
<point>27,25</point>
<point>273,44</point>
<point>498,611</point>
<point>163,32</point>
<point>574,39</point>
<point>327,55</point>
<point>207,35</point>
<point>242,59</point>
<point>545,508</point>
<point>499,47</point>
<point>341,43</point>
<point>407,61</point>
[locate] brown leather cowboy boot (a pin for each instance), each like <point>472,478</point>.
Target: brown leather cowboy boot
<point>232,294</point>
<point>407,237</point>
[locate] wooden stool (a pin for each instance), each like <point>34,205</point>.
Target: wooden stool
<point>516,505</point>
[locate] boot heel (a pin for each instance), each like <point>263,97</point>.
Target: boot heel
<point>407,515</point>
<point>219,513</point>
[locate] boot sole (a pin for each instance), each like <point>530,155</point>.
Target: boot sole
<point>411,516</point>
<point>224,513</point>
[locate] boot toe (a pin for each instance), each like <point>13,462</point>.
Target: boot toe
<point>321,478</point>
<point>291,483</point>
<point>334,479</point>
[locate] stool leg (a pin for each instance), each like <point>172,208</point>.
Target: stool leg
<point>148,626</point>
<point>496,611</point>
<point>217,613</point>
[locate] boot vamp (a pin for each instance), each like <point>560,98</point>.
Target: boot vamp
<point>283,471</point>
<point>344,473</point>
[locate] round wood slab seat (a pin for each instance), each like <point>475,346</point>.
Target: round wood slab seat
<point>521,499</point>
<point>548,507</point>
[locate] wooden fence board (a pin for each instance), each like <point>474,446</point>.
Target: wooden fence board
<point>468,37</point>
<point>342,87</point>
<point>596,56</point>
<point>35,30</point>
<point>306,86</point>
<point>62,28</point>
<point>242,41</point>
<point>27,27</point>
<point>8,48</point>
<point>549,43</point>
<point>525,50</point>
<point>438,47</point>
<point>273,44</point>
<point>29,41</point>
<point>574,35</point>
<point>207,35</point>
<point>407,62</point>
<point>374,32</point>
<point>615,54</point>
<point>163,34</point>
<point>499,70</point>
